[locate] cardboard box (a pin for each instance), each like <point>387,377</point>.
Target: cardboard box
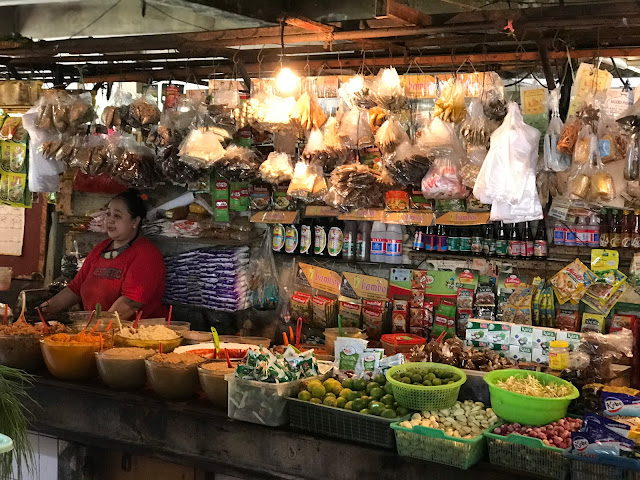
<point>477,331</point>
<point>572,338</point>
<point>540,355</point>
<point>521,336</point>
<point>499,333</point>
<point>542,337</point>
<point>503,350</point>
<point>519,354</point>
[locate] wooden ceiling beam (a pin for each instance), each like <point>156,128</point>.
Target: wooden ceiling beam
<point>309,25</point>
<point>399,11</point>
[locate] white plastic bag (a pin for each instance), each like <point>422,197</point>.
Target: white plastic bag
<point>554,160</point>
<point>511,159</point>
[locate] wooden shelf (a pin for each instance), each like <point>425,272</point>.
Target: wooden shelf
<point>204,241</point>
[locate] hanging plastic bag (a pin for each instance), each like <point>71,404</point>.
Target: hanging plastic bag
<point>201,149</point>
<point>494,104</point>
<point>612,141</point>
<point>263,279</point>
<point>388,91</point>
<point>554,160</point>
<point>443,181</point>
<point>302,182</point>
<point>450,104</point>
<point>355,131</point>
<point>277,168</point>
<point>601,185</point>
<point>356,92</point>
<point>569,136</point>
<point>506,169</point>
<point>355,186</point>
<point>308,113</point>
<point>144,111</point>
<point>475,133</point>
<point>407,165</point>
<point>318,152</point>
<point>238,164</point>
<point>390,135</point>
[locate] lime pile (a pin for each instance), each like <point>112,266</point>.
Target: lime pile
<point>374,397</point>
<point>425,376</point>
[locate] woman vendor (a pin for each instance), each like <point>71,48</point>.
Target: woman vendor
<point>124,273</point>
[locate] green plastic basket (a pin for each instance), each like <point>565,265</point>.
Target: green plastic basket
<point>434,445</point>
<point>526,453</point>
<point>418,397</point>
<point>337,422</point>
<point>525,409</point>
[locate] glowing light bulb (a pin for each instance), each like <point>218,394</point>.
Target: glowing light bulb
<point>286,81</point>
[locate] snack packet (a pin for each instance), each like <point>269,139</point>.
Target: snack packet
<point>348,353</point>
<point>571,283</point>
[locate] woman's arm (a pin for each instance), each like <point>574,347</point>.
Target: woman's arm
<point>60,302</point>
<point>125,307</point>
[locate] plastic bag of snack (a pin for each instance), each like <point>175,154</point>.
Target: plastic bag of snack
<point>144,111</point>
<point>308,113</point>
<point>494,104</point>
<point>130,162</point>
<point>569,136</point>
<point>277,168</point>
<point>443,181</point>
<point>450,105</point>
<point>263,279</point>
<point>475,133</point>
<point>355,186</point>
<point>317,151</point>
<point>572,282</point>
<point>238,164</point>
<point>302,182</point>
<point>388,91</point>
<point>357,92</point>
<point>175,169</point>
<point>355,131</point>
<point>390,135</point>
<point>601,185</point>
<point>407,165</point>
<point>554,160</point>
<point>612,140</point>
<point>201,148</point>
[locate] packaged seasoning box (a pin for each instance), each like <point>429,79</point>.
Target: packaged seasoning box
<point>542,337</point>
<point>572,338</point>
<point>499,333</point>
<point>503,350</point>
<point>521,336</point>
<point>540,355</point>
<point>477,331</point>
<point>519,354</point>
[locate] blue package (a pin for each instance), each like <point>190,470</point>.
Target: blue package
<point>616,427</point>
<point>620,404</point>
<point>594,439</point>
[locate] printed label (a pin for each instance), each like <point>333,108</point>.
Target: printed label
<point>305,238</point>
<point>336,239</point>
<point>321,241</point>
<point>291,239</point>
<point>277,238</point>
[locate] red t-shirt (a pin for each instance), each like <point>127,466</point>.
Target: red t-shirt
<point>137,273</point>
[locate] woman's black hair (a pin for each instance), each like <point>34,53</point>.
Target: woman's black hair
<point>134,203</point>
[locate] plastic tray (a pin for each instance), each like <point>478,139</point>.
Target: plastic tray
<point>434,445</point>
<point>260,402</point>
<point>340,423</point>
<point>418,397</point>
<point>603,468</point>
<point>526,453</point>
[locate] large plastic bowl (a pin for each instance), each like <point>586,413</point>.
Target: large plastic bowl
<point>525,409</point>
<point>120,372</point>
<point>21,351</point>
<point>167,345</point>
<point>79,321</point>
<point>173,381</point>
<point>70,361</point>
<point>175,326</point>
<point>213,382</point>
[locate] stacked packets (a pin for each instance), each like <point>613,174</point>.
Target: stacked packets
<point>211,278</point>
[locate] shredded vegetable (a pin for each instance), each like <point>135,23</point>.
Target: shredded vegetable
<point>531,386</point>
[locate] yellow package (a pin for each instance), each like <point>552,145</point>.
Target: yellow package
<point>592,322</point>
<point>571,283</point>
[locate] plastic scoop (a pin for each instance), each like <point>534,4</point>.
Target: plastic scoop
<point>160,348</point>
<point>291,335</point>
<point>216,338</point>
<point>137,320</point>
<point>93,312</point>
<point>109,325</point>
<point>118,321</point>
<point>284,337</point>
<point>45,325</point>
<point>226,354</point>
<point>98,311</point>
<point>298,331</point>
<point>340,326</point>
<point>169,317</point>
<point>5,319</point>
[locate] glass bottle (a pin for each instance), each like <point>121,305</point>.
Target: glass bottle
<point>526,247</point>
<point>540,246</point>
<point>616,230</point>
<point>515,242</point>
<point>501,241</point>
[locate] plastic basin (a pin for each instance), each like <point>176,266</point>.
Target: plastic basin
<point>69,361</point>
<point>213,382</point>
<point>167,345</point>
<point>525,409</point>
<point>21,351</point>
<point>173,381</point>
<point>175,326</point>
<point>122,373</point>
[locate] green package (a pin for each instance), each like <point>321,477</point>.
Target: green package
<point>444,321</point>
<point>220,196</point>
<point>235,194</point>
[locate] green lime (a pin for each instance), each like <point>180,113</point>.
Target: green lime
<point>427,383</point>
<point>371,386</point>
<point>377,393</point>
<point>431,376</point>
<point>388,399</point>
<point>348,406</point>
<point>402,411</point>
<point>416,378</point>
<point>346,392</point>
<point>388,388</point>
<point>347,383</point>
<point>359,404</point>
<point>313,383</point>
<point>406,380</point>
<point>330,395</point>
<point>455,378</point>
<point>365,411</point>
<point>376,408</point>
<point>328,384</point>
<point>354,396</point>
<point>380,379</point>
<point>316,400</point>
<point>341,402</point>
<point>318,391</point>
<point>437,382</point>
<point>395,376</point>
<point>388,413</point>
<point>359,384</point>
<point>304,395</point>
<point>366,399</point>
<point>330,401</point>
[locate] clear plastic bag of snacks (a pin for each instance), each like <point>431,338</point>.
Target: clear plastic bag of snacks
<point>443,181</point>
<point>450,105</point>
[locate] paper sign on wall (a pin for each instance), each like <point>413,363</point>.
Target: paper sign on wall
<point>321,278</point>
<point>364,286</point>
<point>12,231</point>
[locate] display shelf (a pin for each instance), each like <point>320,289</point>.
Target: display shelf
<point>550,263</point>
<point>323,261</point>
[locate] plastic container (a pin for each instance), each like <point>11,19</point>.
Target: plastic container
<point>603,467</point>
<point>525,409</point>
<point>260,402</point>
<point>262,341</point>
<point>378,242</point>
<point>5,278</point>
<point>419,397</point>
<point>526,453</point>
<point>434,445</point>
<point>120,372</point>
<point>70,361</point>
<point>558,355</point>
<point>340,423</point>
<point>167,345</point>
<point>400,342</point>
<point>393,246</point>
<point>237,351</point>
<point>175,326</point>
<point>173,381</point>
<point>79,321</point>
<point>193,337</point>
<point>213,382</point>
<point>21,351</point>
<point>330,335</point>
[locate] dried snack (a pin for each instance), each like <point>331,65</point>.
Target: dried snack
<point>475,133</point>
<point>569,137</point>
<point>407,165</point>
<point>388,91</point>
<point>450,105</point>
<point>443,181</point>
<point>571,283</point>
<point>355,131</point>
<point>308,113</point>
<point>354,186</point>
<point>201,148</point>
<point>356,92</point>
<point>494,104</point>
<point>238,164</point>
<point>144,111</point>
<point>277,168</point>
<point>318,152</point>
<point>390,135</point>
